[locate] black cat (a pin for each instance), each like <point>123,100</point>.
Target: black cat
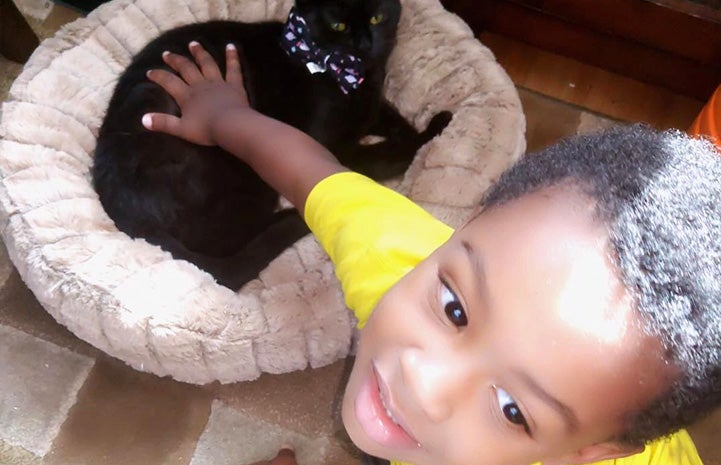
<point>201,203</point>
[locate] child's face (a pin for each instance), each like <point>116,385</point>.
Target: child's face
<point>514,342</point>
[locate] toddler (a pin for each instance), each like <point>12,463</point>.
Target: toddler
<point>575,318</point>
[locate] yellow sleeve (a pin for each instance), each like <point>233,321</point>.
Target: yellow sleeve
<point>372,234</point>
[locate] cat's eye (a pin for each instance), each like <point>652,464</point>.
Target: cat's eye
<point>510,409</point>
<point>338,27</point>
<point>376,19</point>
<point>452,306</point>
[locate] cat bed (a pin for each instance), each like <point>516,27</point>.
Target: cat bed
<point>131,299</point>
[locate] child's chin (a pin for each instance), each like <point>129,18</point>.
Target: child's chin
<point>354,429</point>
<point>350,423</point>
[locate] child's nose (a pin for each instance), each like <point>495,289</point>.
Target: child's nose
<point>434,382</point>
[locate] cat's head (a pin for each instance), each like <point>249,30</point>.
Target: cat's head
<point>364,28</point>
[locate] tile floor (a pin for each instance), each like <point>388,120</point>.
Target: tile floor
<point>62,402</point>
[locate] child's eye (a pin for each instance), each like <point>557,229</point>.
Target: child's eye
<point>510,409</point>
<point>452,306</point>
<point>376,19</point>
<point>339,27</point>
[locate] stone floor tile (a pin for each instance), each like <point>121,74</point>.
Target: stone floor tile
<point>547,119</point>
<point>9,71</point>
<point>39,384</point>
<point>591,122</point>
<point>6,266</point>
<point>125,417</point>
<point>20,309</point>
<point>36,9</point>
<point>304,401</point>
<point>234,437</point>
<point>11,455</point>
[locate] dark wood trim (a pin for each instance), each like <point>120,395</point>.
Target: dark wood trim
<point>691,8</point>
<point>650,23</point>
<point>641,39</point>
<point>17,39</point>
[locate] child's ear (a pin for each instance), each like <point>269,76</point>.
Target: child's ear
<point>595,453</point>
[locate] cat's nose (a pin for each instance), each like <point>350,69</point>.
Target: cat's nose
<point>365,44</point>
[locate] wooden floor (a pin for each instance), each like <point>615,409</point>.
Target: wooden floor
<point>589,87</point>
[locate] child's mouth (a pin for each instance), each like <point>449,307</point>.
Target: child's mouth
<point>376,416</point>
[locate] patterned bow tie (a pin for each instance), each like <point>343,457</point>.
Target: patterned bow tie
<point>345,68</point>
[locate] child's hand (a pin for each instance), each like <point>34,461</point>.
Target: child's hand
<point>215,111</point>
<point>286,456</point>
<point>201,92</point>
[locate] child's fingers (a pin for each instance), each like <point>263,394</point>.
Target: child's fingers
<point>233,72</point>
<point>183,66</point>
<point>162,122</point>
<point>208,67</point>
<point>171,83</point>
<point>286,456</point>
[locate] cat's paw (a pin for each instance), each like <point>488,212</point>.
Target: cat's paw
<point>437,124</point>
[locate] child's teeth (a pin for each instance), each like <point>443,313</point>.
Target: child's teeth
<point>390,415</point>
<point>388,412</point>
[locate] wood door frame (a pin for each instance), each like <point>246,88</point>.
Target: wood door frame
<point>671,43</point>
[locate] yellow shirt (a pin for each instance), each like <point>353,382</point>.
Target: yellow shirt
<point>374,236</point>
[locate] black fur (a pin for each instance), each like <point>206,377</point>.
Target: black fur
<point>201,203</point>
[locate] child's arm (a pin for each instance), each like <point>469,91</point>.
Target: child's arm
<point>215,111</point>
<point>359,223</point>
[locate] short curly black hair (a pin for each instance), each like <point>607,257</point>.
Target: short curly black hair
<point>659,195</point>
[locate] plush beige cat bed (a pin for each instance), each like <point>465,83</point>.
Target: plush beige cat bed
<point>131,299</point>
